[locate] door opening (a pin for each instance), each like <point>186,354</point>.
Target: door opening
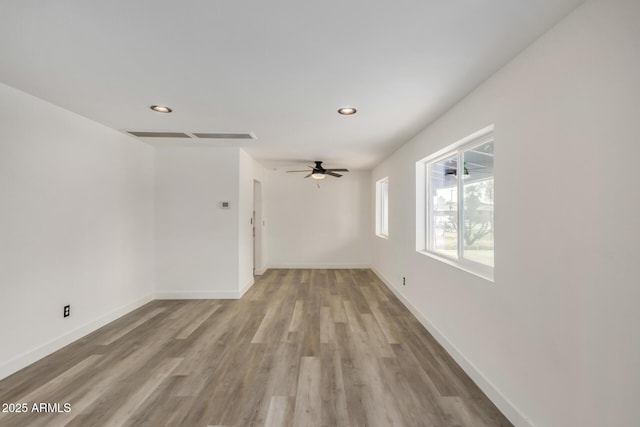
<point>257,224</point>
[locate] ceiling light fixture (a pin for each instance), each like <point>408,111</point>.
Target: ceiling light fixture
<point>318,175</point>
<point>347,111</point>
<point>454,172</point>
<point>161,109</point>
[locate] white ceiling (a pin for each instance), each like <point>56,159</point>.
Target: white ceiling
<point>279,69</point>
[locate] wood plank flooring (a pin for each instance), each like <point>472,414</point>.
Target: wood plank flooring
<point>301,348</point>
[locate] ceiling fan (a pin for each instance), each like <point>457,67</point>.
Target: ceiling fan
<point>318,172</point>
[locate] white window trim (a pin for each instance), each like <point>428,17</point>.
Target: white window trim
<point>422,204</point>
<point>381,209</point>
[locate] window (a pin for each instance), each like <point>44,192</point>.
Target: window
<point>455,196</point>
<point>382,208</point>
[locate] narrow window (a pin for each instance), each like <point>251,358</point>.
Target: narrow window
<point>382,208</point>
<point>456,204</point>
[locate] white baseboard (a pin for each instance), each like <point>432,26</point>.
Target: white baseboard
<point>318,266</point>
<point>260,271</point>
<point>500,400</point>
<point>23,360</point>
<point>198,295</point>
<point>32,356</point>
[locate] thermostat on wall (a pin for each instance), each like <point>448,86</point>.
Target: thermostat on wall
<point>224,205</point>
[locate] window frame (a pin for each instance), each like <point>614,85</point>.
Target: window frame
<point>424,211</point>
<point>382,208</point>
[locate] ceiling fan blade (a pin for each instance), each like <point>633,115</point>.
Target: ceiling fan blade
<point>319,170</point>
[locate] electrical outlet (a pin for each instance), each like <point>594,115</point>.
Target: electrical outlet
<point>67,311</point>
<point>404,282</point>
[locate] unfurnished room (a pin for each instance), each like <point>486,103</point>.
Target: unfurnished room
<point>290,213</point>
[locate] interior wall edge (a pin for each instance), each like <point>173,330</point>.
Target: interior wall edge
<point>247,286</point>
<point>38,353</point>
<point>493,393</point>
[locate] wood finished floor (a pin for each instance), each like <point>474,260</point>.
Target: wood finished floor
<point>301,348</point>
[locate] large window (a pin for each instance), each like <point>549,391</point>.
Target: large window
<point>456,202</point>
<point>382,208</point>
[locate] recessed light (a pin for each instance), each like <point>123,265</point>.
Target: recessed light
<point>160,109</point>
<point>347,111</point>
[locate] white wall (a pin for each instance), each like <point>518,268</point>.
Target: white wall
<point>76,227</point>
<point>554,341</point>
<point>196,241</point>
<point>326,227</point>
<point>249,171</point>
<point>245,227</point>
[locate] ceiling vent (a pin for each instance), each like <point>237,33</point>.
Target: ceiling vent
<point>159,134</point>
<point>224,135</point>
<point>200,135</point>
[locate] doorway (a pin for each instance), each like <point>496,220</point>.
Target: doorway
<point>258,223</point>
